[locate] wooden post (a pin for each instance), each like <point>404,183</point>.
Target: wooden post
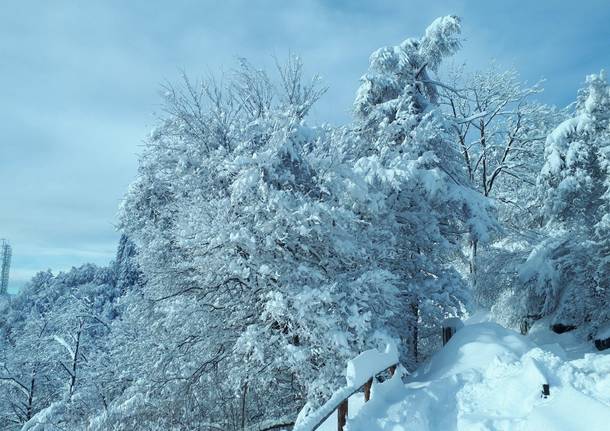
<point>342,415</point>
<point>447,334</point>
<point>524,327</point>
<point>367,389</point>
<point>546,390</point>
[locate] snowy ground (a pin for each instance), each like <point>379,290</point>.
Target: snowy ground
<point>355,404</point>
<point>490,378</point>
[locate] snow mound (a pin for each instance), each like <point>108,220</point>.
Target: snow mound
<point>359,370</point>
<point>369,363</point>
<point>490,378</point>
<point>475,347</point>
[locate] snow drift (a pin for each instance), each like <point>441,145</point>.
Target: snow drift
<point>490,378</point>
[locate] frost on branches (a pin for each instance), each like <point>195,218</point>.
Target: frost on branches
<point>274,251</point>
<point>51,345</point>
<point>566,275</point>
<point>260,253</point>
<point>416,184</point>
<point>257,269</point>
<point>501,130</point>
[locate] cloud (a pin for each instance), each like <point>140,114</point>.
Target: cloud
<point>80,85</point>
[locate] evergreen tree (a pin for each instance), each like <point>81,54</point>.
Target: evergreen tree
<point>566,273</point>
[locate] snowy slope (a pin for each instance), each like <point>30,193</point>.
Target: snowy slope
<point>490,378</point>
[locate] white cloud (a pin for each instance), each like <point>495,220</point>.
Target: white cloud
<point>80,83</point>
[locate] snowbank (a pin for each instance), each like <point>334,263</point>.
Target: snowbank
<point>359,370</point>
<point>490,378</point>
<point>369,363</point>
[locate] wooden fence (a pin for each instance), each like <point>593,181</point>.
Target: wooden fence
<point>342,405</point>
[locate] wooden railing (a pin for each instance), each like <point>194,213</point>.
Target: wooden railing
<point>343,408</point>
<point>339,401</point>
<point>341,404</point>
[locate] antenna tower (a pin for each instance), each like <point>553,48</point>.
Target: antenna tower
<point>5,264</point>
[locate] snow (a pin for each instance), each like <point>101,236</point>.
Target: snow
<point>454,323</point>
<point>15,384</point>
<point>310,420</point>
<point>368,363</point>
<point>490,378</point>
<point>359,370</point>
<point>355,403</point>
<point>473,117</point>
<point>570,410</point>
<point>64,344</point>
<point>603,332</point>
<point>539,265</point>
<point>557,142</point>
<point>44,419</point>
<point>442,38</point>
<point>569,345</point>
<point>474,347</point>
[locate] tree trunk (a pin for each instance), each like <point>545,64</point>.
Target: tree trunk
<point>415,330</point>
<point>30,405</point>
<point>473,260</point>
<point>243,405</point>
<point>483,143</point>
<point>75,358</point>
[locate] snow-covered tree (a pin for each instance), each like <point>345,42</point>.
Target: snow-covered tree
<point>405,148</point>
<point>25,368</point>
<point>259,252</point>
<point>252,263</point>
<point>127,273</point>
<point>501,130</point>
<point>51,336</point>
<point>566,274</point>
<point>274,251</point>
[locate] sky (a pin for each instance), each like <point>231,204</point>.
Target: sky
<point>80,86</point>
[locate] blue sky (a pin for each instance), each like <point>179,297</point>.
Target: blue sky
<point>80,86</point>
